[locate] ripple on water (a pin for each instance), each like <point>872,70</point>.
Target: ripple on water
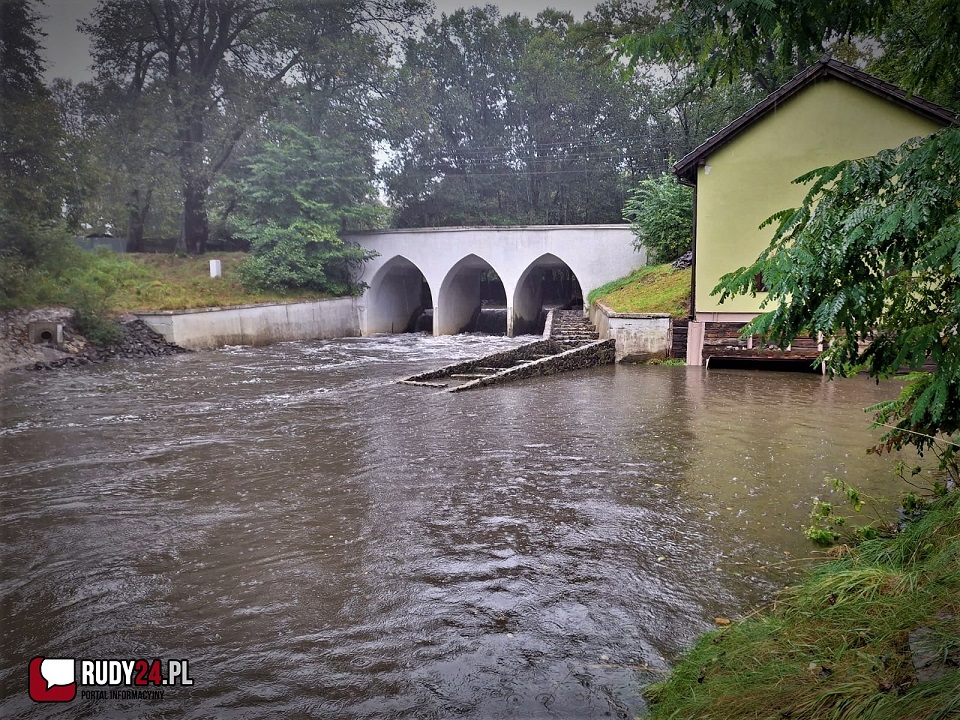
<point>321,542</point>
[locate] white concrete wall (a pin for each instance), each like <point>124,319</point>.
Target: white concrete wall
<point>258,324</point>
<point>395,297</point>
<point>638,336</point>
<point>461,299</point>
<point>527,299</point>
<point>596,254</point>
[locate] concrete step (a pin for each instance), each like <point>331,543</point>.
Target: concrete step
<point>421,383</point>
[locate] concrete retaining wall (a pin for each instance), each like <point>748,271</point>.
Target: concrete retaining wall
<point>258,324</point>
<point>638,336</point>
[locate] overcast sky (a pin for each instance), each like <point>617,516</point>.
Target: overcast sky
<point>67,51</point>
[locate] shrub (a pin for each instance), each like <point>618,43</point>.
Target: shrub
<point>301,256</point>
<point>32,259</point>
<point>91,289</point>
<point>660,213</point>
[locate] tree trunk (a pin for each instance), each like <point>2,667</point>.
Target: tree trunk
<point>136,221</point>
<point>196,227</point>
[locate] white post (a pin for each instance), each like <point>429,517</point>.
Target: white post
<point>215,268</point>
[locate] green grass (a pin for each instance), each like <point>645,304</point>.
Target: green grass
<point>654,288</point>
<point>115,282</point>
<point>837,646</point>
<point>169,282</point>
<point>667,362</point>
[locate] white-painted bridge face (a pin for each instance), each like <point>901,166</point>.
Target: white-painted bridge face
<point>452,260</point>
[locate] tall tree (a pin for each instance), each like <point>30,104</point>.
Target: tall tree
<point>768,41</point>
<point>32,165</point>
<point>503,119</point>
<point>218,64</point>
<point>21,64</point>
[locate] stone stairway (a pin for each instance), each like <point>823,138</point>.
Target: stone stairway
<point>570,327</point>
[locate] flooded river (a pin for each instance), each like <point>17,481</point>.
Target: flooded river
<point>320,542</point>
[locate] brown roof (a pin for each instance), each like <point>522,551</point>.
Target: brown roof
<point>686,167</point>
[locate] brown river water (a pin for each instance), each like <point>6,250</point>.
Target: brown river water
<point>320,542</point>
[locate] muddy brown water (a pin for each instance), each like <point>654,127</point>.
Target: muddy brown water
<point>320,542</point>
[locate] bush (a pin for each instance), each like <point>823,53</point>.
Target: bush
<point>90,292</point>
<point>92,322</point>
<point>32,259</point>
<point>303,256</point>
<point>660,213</point>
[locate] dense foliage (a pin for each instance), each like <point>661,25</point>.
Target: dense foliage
<point>292,198</point>
<point>304,256</point>
<point>765,41</point>
<point>660,213</point>
<point>34,168</point>
<point>499,119</point>
<point>211,69</point>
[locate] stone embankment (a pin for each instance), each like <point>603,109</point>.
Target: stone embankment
<point>572,345</point>
<point>17,352</point>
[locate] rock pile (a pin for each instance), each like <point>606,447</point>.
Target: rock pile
<point>684,261</point>
<point>16,350</point>
<point>138,342</point>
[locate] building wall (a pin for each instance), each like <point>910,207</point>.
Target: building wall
<point>749,179</point>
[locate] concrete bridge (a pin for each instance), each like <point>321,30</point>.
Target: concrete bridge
<point>446,269</point>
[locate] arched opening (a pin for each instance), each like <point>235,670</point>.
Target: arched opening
<point>472,299</point>
<point>548,283</point>
<point>399,299</point>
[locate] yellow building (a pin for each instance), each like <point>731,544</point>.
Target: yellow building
<point>742,175</point>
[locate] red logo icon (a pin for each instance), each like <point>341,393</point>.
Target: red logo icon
<point>53,679</point>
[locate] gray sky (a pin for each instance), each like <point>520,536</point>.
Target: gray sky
<point>67,51</point>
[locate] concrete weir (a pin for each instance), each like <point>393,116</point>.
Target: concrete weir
<point>569,346</point>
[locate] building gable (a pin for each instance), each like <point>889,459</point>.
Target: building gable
<point>825,68</point>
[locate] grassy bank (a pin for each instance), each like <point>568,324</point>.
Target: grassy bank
<point>169,282</point>
<point>139,282</point>
<point>843,645</point>
<point>655,288</point>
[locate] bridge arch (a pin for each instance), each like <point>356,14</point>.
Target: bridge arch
<point>398,295</point>
<point>547,282</point>
<point>459,301</point>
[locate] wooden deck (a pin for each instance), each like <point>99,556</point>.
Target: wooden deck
<point>721,340</point>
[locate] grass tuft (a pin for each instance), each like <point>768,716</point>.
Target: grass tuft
<point>654,288</point>
<point>837,646</point>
